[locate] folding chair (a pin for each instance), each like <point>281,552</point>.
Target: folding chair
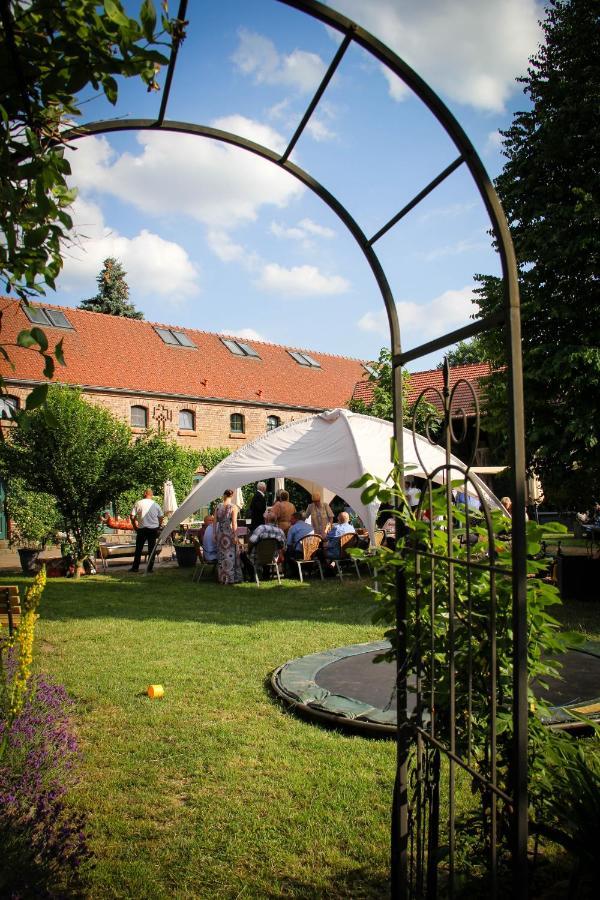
<point>309,546</point>
<point>202,564</point>
<point>265,557</point>
<point>346,542</point>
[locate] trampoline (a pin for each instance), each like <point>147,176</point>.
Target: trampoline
<point>345,688</point>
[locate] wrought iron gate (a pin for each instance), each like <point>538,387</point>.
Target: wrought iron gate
<point>418,828</point>
<point>456,681</point>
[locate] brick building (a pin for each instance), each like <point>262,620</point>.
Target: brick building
<point>202,389</point>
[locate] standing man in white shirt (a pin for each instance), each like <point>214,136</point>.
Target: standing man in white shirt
<point>146,517</point>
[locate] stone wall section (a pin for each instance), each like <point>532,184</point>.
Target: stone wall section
<point>212,421</point>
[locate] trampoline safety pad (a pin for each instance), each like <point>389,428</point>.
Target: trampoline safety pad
<point>347,688</point>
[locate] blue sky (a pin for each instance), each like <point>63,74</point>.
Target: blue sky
<point>214,238</point>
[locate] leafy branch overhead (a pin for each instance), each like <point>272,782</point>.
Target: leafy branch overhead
<point>49,53</point>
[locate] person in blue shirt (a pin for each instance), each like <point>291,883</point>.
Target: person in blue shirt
<point>299,529</point>
<point>342,526</point>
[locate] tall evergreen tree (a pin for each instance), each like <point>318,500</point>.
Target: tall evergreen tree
<point>550,188</point>
<point>113,293</point>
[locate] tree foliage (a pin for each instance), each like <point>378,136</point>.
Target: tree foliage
<point>113,293</point>
<point>79,454</point>
<point>157,458</point>
<point>550,191</point>
<point>462,595</point>
<point>34,516</point>
<point>382,406</point>
<point>49,53</point>
<point>467,353</point>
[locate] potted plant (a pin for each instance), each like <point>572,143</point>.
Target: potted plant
<point>34,521</point>
<point>186,549</point>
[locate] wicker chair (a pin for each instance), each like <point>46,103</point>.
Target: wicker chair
<point>265,557</point>
<point>309,546</point>
<point>367,560</point>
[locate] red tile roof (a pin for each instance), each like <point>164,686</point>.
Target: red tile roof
<point>126,354</point>
<point>433,378</point>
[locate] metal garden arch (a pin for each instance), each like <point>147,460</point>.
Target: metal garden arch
<point>414,872</point>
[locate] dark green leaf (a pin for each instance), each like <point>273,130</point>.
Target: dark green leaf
<point>37,396</point>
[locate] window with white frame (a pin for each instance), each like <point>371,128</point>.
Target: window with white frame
<point>186,420</point>
<point>139,417</point>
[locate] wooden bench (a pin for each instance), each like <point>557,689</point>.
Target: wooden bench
<point>120,546</point>
<point>10,608</point>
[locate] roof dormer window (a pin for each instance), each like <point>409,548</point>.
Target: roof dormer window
<point>304,359</point>
<point>239,348</point>
<point>175,338</point>
<point>42,315</point>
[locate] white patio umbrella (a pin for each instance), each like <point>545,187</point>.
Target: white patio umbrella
<point>279,485</point>
<point>238,498</point>
<point>169,499</point>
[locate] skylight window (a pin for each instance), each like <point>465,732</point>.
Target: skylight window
<point>239,348</point>
<point>370,370</point>
<point>41,315</point>
<point>304,359</point>
<point>175,338</point>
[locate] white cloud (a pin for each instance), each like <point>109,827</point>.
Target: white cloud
<point>177,174</point>
<point>319,131</point>
<point>226,249</point>
<point>154,266</point>
<point>256,55</point>
<point>396,88</point>
<point>469,50</point>
<point>248,334</point>
<point>300,281</point>
<point>294,233</point>
<point>303,231</point>
<point>420,322</point>
<point>314,228</point>
<point>493,143</point>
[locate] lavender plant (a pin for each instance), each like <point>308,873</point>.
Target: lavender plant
<point>42,837</point>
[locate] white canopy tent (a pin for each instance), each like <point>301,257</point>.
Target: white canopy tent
<point>326,452</point>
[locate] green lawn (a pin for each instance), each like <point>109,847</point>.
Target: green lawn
<point>216,791</point>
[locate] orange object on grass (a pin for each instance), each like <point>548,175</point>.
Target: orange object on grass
<point>156,691</point>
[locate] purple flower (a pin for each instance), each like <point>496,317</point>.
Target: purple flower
<point>43,837</point>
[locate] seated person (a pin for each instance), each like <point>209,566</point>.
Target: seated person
<point>209,545</point>
<point>298,529</point>
<point>208,520</point>
<point>268,530</point>
<point>342,526</point>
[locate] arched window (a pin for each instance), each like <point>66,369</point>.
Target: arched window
<point>273,422</point>
<point>236,423</point>
<point>186,419</point>
<point>8,405</point>
<point>139,417</point>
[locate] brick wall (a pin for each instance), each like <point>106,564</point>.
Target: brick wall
<point>211,420</point>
